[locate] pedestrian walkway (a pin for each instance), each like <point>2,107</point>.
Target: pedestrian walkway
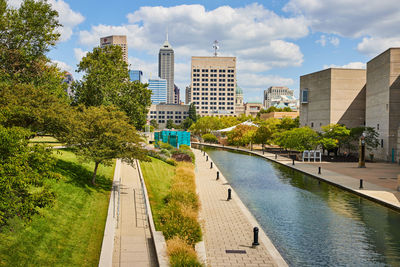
<point>133,244</point>
<point>228,225</point>
<point>349,178</point>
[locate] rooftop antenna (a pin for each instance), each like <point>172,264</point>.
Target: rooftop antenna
<point>215,47</point>
<point>167,35</point>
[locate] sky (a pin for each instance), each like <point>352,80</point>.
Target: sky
<point>275,41</point>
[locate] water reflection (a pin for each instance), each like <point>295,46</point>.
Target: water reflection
<point>311,223</point>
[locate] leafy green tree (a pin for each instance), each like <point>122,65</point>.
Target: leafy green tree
<point>299,139</point>
<point>263,135</point>
<point>371,138</point>
<point>187,123</point>
<point>242,135</point>
<point>192,112</point>
<point>23,170</point>
<point>170,124</point>
<point>209,138</point>
<point>154,123</point>
<point>338,133</point>
<point>101,134</point>
<point>287,123</point>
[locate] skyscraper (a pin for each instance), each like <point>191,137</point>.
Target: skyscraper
<point>177,92</point>
<point>119,40</point>
<point>213,85</point>
<point>159,89</point>
<point>136,75</point>
<point>166,68</point>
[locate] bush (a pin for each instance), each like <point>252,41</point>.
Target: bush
<point>181,254</point>
<point>154,154</point>
<point>178,154</point>
<point>166,146</point>
<point>166,152</point>
<point>210,138</point>
<point>184,147</point>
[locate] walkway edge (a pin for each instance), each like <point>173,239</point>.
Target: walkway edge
<point>107,247</point>
<point>158,237</point>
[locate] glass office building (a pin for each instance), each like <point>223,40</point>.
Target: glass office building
<point>159,88</point>
<point>136,75</point>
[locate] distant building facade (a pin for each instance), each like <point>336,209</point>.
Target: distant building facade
<point>119,40</point>
<point>213,82</point>
<point>239,105</point>
<point>177,92</point>
<point>383,102</point>
<point>68,79</point>
<point>275,94</point>
<point>333,96</point>
<point>252,108</point>
<point>158,87</point>
<point>280,115</point>
<point>166,69</point>
<point>136,75</point>
<point>188,94</point>
<point>164,112</point>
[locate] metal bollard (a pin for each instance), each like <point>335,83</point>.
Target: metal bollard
<point>293,162</point>
<point>263,151</point>
<point>319,170</point>
<point>255,240</point>
<point>217,175</point>
<point>206,158</point>
<point>204,153</point>
<point>229,194</point>
<point>211,165</point>
<point>276,156</point>
<point>361,183</point>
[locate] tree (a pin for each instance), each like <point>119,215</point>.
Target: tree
<point>187,123</point>
<point>154,123</point>
<point>287,123</point>
<point>263,135</point>
<point>106,82</point>
<point>192,112</point>
<point>101,134</point>
<point>170,124</point>
<point>299,139</point>
<point>338,135</point>
<point>209,138</point>
<point>242,135</point>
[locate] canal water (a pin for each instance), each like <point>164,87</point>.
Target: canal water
<point>312,224</point>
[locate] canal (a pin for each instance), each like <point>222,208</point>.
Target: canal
<point>311,223</point>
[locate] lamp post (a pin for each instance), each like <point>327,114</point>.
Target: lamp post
<point>361,152</point>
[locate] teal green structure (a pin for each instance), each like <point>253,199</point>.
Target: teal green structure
<point>174,138</point>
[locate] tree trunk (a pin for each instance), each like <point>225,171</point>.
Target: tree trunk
<point>96,165</point>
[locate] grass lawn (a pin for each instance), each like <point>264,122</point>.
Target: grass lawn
<point>70,232</point>
<point>46,140</point>
<point>157,175</point>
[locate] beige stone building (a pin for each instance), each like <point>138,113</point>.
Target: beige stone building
<point>164,112</point>
<point>119,40</point>
<point>280,115</point>
<point>239,105</point>
<point>383,102</point>
<point>333,96</point>
<point>252,108</point>
<point>213,82</point>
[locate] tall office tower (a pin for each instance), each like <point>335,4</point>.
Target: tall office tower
<point>213,81</point>
<point>188,94</point>
<point>177,92</point>
<point>136,75</point>
<point>119,40</point>
<point>158,87</point>
<point>275,92</point>
<point>166,68</point>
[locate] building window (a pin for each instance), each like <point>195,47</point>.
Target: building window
<point>377,126</point>
<point>312,124</point>
<point>304,96</point>
<point>381,143</point>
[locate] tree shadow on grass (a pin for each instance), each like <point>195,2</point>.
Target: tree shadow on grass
<point>80,176</point>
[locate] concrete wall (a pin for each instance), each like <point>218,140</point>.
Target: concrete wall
<point>279,115</point>
<point>394,102</point>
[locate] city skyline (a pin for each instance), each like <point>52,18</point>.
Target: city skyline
<point>275,42</point>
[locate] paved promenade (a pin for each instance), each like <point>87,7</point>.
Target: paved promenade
<point>133,244</point>
<point>228,225</point>
<point>347,176</point>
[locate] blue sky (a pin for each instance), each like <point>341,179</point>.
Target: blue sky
<point>275,41</point>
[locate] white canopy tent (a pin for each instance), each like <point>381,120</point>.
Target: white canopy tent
<point>248,123</point>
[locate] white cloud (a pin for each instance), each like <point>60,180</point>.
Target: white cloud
<point>321,40</point>
<point>351,65</point>
<point>67,17</point>
<point>334,41</point>
<point>374,46</point>
<point>63,66</point>
<point>79,54</point>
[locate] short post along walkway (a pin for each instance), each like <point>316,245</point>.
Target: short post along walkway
<point>133,244</point>
<point>228,225</point>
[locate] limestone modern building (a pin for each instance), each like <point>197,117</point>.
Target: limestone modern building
<point>166,68</point>
<point>213,82</point>
<point>252,108</point>
<point>383,102</point>
<point>119,40</point>
<point>275,93</point>
<point>333,96</point>
<point>164,112</point>
<point>158,87</point>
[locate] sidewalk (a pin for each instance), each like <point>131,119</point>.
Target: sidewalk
<point>228,225</point>
<point>133,244</point>
<point>346,176</point>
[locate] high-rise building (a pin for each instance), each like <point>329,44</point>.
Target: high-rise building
<point>136,75</point>
<point>119,40</point>
<point>213,81</point>
<point>177,98</point>
<point>275,92</point>
<point>158,87</point>
<point>69,79</point>
<point>166,68</point>
<point>188,94</point>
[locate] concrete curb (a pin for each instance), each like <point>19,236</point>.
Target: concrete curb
<point>276,256</point>
<point>158,237</point>
<point>107,247</point>
<point>362,193</point>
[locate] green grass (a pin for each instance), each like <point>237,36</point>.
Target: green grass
<point>70,232</point>
<point>157,175</point>
<point>46,140</point>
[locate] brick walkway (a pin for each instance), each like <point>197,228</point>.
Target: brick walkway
<point>228,225</point>
<point>133,245</point>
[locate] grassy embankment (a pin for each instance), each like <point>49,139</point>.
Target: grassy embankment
<point>175,206</point>
<point>70,232</point>
<point>45,140</point>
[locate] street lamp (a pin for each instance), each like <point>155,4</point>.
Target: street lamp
<point>361,153</point>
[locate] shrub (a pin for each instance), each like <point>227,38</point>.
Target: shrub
<point>166,146</point>
<point>209,138</point>
<point>183,158</point>
<point>166,152</point>
<point>162,157</point>
<point>181,254</point>
<point>184,147</point>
